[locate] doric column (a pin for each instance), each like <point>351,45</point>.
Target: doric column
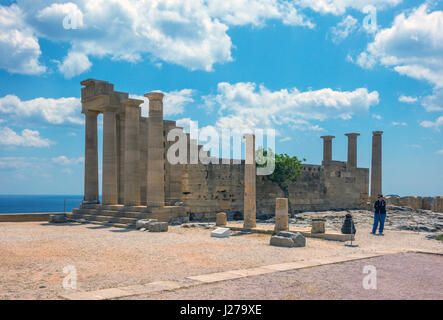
<point>132,153</point>
<point>110,161</point>
<point>376,165</point>
<point>352,149</point>
<point>121,157</point>
<point>155,188</point>
<point>91,158</point>
<point>327,148</point>
<point>250,180</point>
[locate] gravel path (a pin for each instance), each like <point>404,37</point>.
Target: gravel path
<point>399,276</point>
<point>33,255</point>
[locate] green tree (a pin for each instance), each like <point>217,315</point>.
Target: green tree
<point>287,169</point>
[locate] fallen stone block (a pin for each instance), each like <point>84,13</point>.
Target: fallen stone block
<point>297,238</point>
<point>221,233</point>
<point>158,227</point>
<point>57,218</point>
<point>143,223</point>
<point>280,241</point>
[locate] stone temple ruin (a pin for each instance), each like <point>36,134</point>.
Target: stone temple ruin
<point>138,182</point>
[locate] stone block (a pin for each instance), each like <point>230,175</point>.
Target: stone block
<point>221,219</point>
<point>282,242</point>
<point>288,239</point>
<point>221,233</point>
<point>144,223</point>
<point>318,226</point>
<point>57,218</point>
<point>158,227</point>
<point>281,214</point>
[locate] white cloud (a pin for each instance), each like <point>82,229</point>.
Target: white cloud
<point>73,64</point>
<point>53,111</point>
<point>338,7</point>
<point>377,116</point>
<point>174,102</point>
<point>243,105</point>
<point>433,124</point>
<point>439,151</point>
<point>285,139</point>
<point>344,28</point>
<point>412,46</point>
<point>407,99</point>
<point>434,102</point>
<point>63,160</point>
<point>28,138</point>
<point>242,12</point>
<point>395,123</point>
<point>19,48</point>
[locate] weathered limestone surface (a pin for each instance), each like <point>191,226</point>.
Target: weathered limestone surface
<point>221,219</point>
<point>318,226</point>
<point>158,226</point>
<point>91,158</point>
<point>352,149</point>
<point>250,183</point>
<point>327,148</point>
<point>144,223</point>
<point>288,239</point>
<point>155,194</point>
<point>376,165</point>
<point>132,153</point>
<point>110,160</point>
<point>281,215</point>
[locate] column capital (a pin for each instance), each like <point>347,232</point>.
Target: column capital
<point>132,103</point>
<point>110,109</point>
<point>90,113</point>
<point>153,96</point>
<point>327,137</point>
<point>377,133</point>
<point>352,134</point>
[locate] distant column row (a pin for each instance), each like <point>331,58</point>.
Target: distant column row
<point>376,163</point>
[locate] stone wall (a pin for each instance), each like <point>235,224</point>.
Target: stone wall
<point>434,204</point>
<point>208,189</point>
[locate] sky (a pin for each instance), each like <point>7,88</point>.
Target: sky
<point>305,68</point>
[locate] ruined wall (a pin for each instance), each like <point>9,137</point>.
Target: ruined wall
<point>208,189</point>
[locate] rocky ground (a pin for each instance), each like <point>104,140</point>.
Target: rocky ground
<point>398,218</point>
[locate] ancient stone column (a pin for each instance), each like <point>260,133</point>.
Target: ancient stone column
<point>155,188</point>
<point>352,150</point>
<point>376,165</point>
<point>250,181</point>
<point>132,153</point>
<point>327,148</point>
<point>281,215</point>
<point>110,161</point>
<point>91,158</point>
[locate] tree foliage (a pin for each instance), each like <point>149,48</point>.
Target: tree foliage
<point>287,169</point>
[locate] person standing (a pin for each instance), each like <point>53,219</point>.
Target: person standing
<point>379,215</point>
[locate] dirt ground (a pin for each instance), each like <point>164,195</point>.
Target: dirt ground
<point>33,255</point>
<point>398,276</point>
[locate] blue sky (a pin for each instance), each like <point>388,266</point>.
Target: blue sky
<point>304,68</point>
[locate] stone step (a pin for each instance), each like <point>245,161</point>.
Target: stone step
<point>108,224</point>
<point>105,219</point>
<point>126,214</point>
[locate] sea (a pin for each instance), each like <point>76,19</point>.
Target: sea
<point>38,203</point>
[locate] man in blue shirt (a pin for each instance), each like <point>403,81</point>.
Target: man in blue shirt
<point>379,215</point>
